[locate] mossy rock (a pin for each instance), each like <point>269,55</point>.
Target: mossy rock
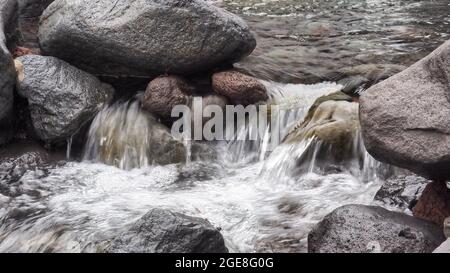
<point>332,119</point>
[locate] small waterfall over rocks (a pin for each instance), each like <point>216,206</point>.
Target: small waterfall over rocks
<point>326,140</point>
<point>127,137</point>
<point>293,102</point>
<point>312,155</point>
<point>262,195</point>
<point>262,199</point>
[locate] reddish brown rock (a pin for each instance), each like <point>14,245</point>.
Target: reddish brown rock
<point>239,88</point>
<point>434,204</point>
<point>22,51</point>
<point>165,92</point>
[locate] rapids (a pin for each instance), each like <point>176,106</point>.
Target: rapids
<point>255,200</point>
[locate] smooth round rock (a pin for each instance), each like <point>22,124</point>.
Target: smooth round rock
<point>143,38</point>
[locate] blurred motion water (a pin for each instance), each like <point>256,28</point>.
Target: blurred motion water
<point>308,41</point>
<point>261,200</point>
<point>260,204</point>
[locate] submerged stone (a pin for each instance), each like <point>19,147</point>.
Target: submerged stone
<point>125,136</point>
<point>332,126</point>
<point>333,122</point>
<point>8,30</point>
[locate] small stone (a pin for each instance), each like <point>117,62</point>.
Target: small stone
<point>164,93</point>
<point>239,88</point>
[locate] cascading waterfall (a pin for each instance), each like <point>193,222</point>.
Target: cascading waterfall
<point>264,203</point>
<point>116,136</point>
<point>302,158</point>
<point>69,147</point>
<point>293,102</point>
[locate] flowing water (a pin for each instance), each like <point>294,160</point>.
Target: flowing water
<point>311,40</point>
<point>258,204</point>
<point>260,197</point>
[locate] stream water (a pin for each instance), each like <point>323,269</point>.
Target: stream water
<point>257,198</point>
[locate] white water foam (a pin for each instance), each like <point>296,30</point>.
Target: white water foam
<point>80,205</point>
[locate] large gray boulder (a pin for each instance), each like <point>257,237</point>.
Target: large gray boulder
<point>61,97</point>
<point>8,30</point>
<point>141,38</point>
<point>362,229</point>
<point>163,231</point>
<point>406,119</point>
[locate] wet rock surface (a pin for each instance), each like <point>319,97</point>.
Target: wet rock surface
<point>72,206</point>
<point>19,158</point>
<point>401,192</point>
<point>211,102</point>
<point>22,51</point>
<point>332,126</point>
<point>29,13</point>
<point>163,231</point>
<point>33,8</point>
<point>434,203</point>
<point>333,122</point>
<point>8,30</point>
<point>363,229</point>
<point>405,118</point>
<point>175,36</point>
<point>61,97</point>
